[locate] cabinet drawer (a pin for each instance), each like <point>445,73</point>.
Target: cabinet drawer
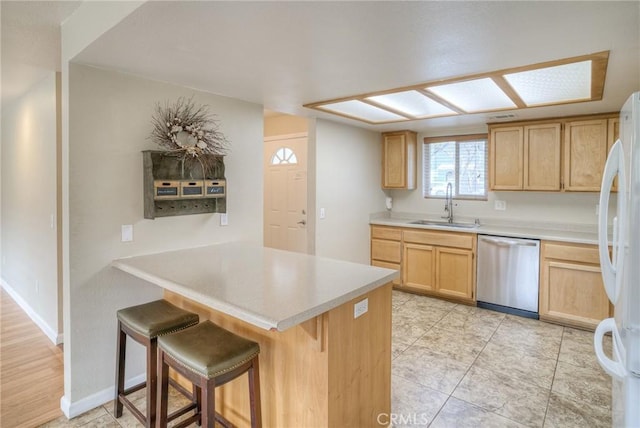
<point>388,265</point>
<point>445,239</point>
<point>575,253</point>
<point>386,233</point>
<point>388,251</point>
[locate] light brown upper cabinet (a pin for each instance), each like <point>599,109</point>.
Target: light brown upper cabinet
<point>525,157</point>
<point>542,157</point>
<point>585,152</point>
<point>506,158</point>
<point>399,160</point>
<point>563,154</point>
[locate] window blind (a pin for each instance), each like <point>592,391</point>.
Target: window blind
<point>461,161</point>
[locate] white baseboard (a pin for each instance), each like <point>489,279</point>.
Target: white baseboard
<point>51,333</point>
<point>71,410</point>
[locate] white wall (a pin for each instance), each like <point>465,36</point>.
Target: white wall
<point>553,207</point>
<point>109,122</point>
<point>29,205</point>
<point>348,188</point>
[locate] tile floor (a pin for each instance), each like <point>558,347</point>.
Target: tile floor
<point>460,366</point>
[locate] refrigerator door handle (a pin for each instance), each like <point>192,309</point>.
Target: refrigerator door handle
<point>612,270</point>
<point>613,368</point>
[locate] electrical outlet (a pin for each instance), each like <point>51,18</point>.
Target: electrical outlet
<point>360,308</point>
<point>126,233</point>
<point>52,221</point>
<point>322,213</point>
<point>500,205</point>
<point>224,220</point>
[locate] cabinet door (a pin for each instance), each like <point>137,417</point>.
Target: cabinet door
<point>418,267</point>
<point>542,157</point>
<point>454,272</point>
<point>399,160</point>
<point>585,146</point>
<point>572,293</point>
<point>394,157</point>
<point>506,158</point>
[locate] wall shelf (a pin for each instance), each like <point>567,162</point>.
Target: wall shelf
<point>177,185</point>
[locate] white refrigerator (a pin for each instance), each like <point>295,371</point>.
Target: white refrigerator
<point>621,272</point>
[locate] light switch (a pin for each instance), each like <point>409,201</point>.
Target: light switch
<point>224,220</point>
<point>321,213</point>
<point>127,232</point>
<point>500,205</point>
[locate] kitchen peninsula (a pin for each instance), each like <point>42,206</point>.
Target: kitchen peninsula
<point>324,328</point>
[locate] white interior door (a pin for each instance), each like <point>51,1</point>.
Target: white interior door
<point>285,193</point>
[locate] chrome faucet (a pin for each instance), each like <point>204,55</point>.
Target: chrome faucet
<point>448,205</point>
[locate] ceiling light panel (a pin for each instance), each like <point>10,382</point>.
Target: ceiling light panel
<point>474,95</point>
<point>362,111</point>
<point>412,103</point>
<point>562,83</point>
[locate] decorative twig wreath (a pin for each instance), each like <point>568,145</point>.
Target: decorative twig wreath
<point>187,130</point>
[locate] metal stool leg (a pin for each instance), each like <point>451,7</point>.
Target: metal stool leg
<point>120,364</point>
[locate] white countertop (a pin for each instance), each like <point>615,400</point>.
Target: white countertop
<point>511,229</point>
<point>268,288</point>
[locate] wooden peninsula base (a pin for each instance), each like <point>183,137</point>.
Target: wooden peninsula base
<point>330,371</point>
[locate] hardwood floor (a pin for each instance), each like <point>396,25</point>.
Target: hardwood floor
<point>31,370</point>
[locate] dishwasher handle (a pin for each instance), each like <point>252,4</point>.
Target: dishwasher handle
<point>506,242</point>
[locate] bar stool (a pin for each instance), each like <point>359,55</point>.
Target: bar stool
<point>208,356</point>
<point>144,323</point>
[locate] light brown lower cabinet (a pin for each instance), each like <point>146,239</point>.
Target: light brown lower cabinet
<point>455,271</point>
<point>571,288</point>
<point>418,269</point>
<point>440,264</point>
<point>386,248</point>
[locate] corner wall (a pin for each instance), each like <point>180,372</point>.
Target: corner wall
<point>348,163</point>
<point>29,205</point>
<point>109,122</point>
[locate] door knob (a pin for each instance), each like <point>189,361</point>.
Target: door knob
<point>302,222</point>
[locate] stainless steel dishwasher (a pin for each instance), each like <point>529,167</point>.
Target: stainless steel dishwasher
<point>507,275</point>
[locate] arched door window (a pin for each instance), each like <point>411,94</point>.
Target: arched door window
<point>284,156</point>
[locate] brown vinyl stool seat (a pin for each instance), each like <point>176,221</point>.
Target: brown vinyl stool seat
<point>208,356</point>
<point>144,324</point>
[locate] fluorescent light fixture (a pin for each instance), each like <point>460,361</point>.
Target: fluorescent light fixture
<point>562,83</point>
<point>362,111</point>
<point>412,103</point>
<point>474,95</point>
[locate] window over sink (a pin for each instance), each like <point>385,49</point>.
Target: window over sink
<point>460,160</point>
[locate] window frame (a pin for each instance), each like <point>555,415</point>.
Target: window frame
<point>457,139</point>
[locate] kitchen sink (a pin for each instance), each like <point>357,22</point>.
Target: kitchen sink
<point>445,223</point>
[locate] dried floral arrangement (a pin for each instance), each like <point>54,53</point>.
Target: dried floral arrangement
<point>183,128</point>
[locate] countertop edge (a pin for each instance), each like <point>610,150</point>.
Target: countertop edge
<point>511,231</point>
<point>248,316</point>
<point>332,304</point>
<point>264,323</point>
